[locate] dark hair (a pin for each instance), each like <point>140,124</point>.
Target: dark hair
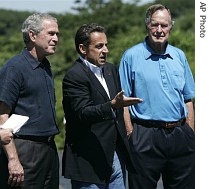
<point>152,9</point>
<point>83,34</point>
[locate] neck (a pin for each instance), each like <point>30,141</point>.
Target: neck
<point>158,48</point>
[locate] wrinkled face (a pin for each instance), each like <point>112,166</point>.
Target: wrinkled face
<point>46,40</point>
<point>96,52</point>
<point>160,26</point>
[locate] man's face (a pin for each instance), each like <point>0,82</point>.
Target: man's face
<point>47,39</point>
<point>97,51</point>
<point>160,26</point>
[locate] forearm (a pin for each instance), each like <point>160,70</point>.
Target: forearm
<point>127,120</point>
<point>190,119</point>
<point>10,148</point>
<point>10,151</point>
<point>3,119</point>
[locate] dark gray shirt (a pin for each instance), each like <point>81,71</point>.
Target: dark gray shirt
<point>27,87</point>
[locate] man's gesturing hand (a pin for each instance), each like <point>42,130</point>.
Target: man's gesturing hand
<point>120,100</point>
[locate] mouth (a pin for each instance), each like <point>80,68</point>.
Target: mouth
<point>103,58</point>
<point>52,46</point>
<point>158,36</point>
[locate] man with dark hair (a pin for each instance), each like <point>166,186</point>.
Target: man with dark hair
<point>96,145</point>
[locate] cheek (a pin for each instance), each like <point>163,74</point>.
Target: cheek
<point>152,33</point>
<point>167,35</point>
<point>42,41</point>
<point>94,54</point>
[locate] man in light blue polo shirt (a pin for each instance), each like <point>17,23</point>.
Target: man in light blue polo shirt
<point>161,128</point>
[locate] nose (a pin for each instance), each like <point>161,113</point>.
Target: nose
<point>55,38</point>
<point>159,28</point>
<point>105,49</point>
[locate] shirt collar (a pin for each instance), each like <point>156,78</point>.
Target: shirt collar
<point>33,61</point>
<point>95,69</point>
<point>149,53</point>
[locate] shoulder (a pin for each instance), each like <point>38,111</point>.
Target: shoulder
<point>76,70</point>
<point>173,49</point>
<point>14,61</point>
<point>13,65</point>
<point>76,66</point>
<point>135,49</point>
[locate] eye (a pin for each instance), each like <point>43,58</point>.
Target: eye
<point>164,25</point>
<point>53,33</point>
<point>154,25</point>
<point>99,46</point>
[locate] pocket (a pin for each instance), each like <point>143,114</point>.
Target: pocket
<point>178,80</point>
<point>189,135</point>
<point>189,130</point>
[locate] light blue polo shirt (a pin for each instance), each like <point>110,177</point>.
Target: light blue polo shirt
<point>163,81</point>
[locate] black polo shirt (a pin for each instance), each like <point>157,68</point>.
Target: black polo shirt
<point>27,87</point>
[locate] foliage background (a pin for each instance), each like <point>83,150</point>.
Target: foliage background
<point>125,27</point>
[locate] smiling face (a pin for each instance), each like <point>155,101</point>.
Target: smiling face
<point>159,27</point>
<point>97,50</point>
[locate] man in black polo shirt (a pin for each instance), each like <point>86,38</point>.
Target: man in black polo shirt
<point>27,88</point>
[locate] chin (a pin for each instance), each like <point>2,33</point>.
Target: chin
<point>158,40</point>
<point>102,63</point>
<point>50,53</point>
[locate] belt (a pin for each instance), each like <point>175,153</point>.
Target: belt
<point>159,124</point>
<point>44,139</point>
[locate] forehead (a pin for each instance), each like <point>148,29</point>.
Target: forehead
<point>49,26</point>
<point>98,37</point>
<point>161,16</point>
<point>49,23</point>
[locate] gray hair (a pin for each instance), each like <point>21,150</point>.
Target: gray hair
<point>34,22</point>
<point>152,9</point>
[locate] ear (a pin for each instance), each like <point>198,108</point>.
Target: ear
<point>172,24</point>
<point>146,27</point>
<point>32,35</point>
<point>82,49</point>
<point>171,27</point>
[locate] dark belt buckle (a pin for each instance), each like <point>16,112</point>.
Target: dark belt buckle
<point>170,125</point>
